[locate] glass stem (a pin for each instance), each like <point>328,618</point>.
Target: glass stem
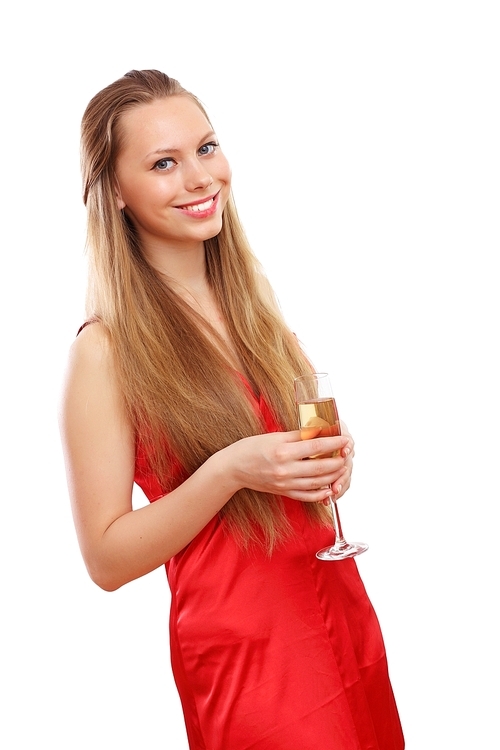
<point>339,537</point>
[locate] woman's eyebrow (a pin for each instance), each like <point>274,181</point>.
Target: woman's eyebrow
<point>167,150</point>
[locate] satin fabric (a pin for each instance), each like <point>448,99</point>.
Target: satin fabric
<point>275,653</point>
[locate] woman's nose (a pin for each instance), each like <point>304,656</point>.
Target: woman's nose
<point>197,177</point>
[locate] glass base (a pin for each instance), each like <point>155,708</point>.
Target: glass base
<point>342,551</point>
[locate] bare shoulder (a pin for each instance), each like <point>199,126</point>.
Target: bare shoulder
<point>91,382</point>
<point>92,346</point>
<point>90,359</point>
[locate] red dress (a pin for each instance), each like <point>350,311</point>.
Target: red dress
<point>280,653</point>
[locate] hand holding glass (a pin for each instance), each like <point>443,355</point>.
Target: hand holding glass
<point>318,417</point>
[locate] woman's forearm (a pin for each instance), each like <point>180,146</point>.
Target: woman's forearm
<point>141,540</point>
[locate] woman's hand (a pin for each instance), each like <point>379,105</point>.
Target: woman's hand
<point>274,463</point>
<point>343,482</point>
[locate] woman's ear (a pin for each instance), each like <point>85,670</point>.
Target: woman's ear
<point>119,200</point>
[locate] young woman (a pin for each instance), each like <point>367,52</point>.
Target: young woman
<point>182,381</point>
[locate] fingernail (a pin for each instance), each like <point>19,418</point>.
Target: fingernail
<point>338,489</point>
<point>346,452</point>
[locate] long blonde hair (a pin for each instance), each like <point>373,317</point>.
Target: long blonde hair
<point>182,396</point>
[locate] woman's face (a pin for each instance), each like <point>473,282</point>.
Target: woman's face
<point>172,178</point>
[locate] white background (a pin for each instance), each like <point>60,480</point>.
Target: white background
<point>364,140</point>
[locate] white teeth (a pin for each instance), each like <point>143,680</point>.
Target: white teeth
<point>199,206</point>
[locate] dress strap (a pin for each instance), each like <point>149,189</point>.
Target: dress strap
<point>87,323</point>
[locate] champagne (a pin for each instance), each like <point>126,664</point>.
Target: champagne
<point>319,418</point>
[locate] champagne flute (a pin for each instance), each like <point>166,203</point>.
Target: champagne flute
<point>318,417</point>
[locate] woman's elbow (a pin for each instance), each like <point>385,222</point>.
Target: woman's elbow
<point>103,576</point>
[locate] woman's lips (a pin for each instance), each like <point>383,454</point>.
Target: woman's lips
<point>201,209</point>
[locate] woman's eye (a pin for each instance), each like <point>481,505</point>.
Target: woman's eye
<point>164,164</point>
<point>208,148</point>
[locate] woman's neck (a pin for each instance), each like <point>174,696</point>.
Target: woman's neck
<point>185,271</point>
<point>184,267</point>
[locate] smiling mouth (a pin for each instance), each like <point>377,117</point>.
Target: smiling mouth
<point>199,207</point>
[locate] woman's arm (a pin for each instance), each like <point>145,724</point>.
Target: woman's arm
<point>119,544</point>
